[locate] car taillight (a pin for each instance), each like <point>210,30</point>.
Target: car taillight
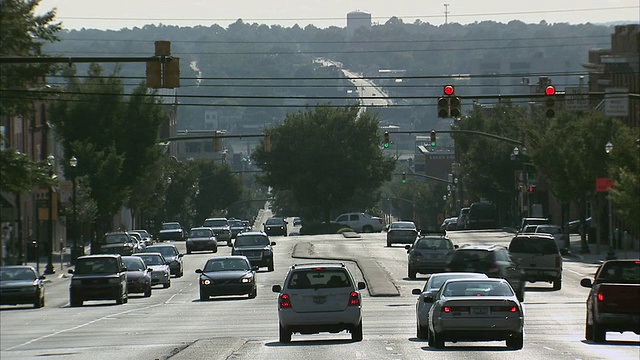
<point>600,296</point>
<point>513,309</point>
<point>494,268</point>
<point>285,301</point>
<point>354,298</point>
<point>446,309</point>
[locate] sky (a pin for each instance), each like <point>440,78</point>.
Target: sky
<point>118,14</point>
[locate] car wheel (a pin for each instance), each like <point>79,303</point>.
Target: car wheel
<point>166,285</point>
<point>520,294</point>
<point>270,266</point>
<point>75,302</point>
<point>388,243</point>
<point>557,284</point>
<point>356,333</point>
<point>412,273</point>
<point>516,341</point>
<point>188,251</point>
<point>215,249</point>
<point>436,340</point>
<point>203,297</point>
<point>284,334</point>
<point>119,300</point>
<point>423,332</point>
<point>588,331</point>
<point>229,243</point>
<point>253,293</point>
<point>148,292</point>
<point>38,302</point>
<point>599,333</point>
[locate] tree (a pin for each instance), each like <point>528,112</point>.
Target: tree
<point>218,188</point>
<point>324,156</point>
<point>624,168</point>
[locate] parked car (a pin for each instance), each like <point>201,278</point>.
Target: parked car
<point>119,242</point>
<point>227,275</point>
<point>482,215</point>
<point>431,287</point>
<point>319,297</point>
<point>21,284</point>
<point>172,256</point>
<point>428,254</point>
<point>403,232</point>
<point>612,304</point>
<point>539,257</point>
<point>275,226</point>
<point>201,239</point>
<point>493,260</point>
<point>475,310</point>
<point>172,231</point>
<point>146,236</point>
<point>255,245</point>
<point>556,232</point>
<point>220,227</point>
<point>574,226</point>
<point>98,277</point>
<point>532,221</point>
<point>361,222</point>
<point>138,275</point>
<point>463,218</point>
<point>160,271</point>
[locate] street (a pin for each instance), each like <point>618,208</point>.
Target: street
<point>174,323</point>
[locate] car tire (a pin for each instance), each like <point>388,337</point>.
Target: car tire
<point>520,294</point>
<point>147,293</point>
<point>557,284</point>
<point>389,243</point>
<point>436,340</point>
<point>356,333</point>
<point>516,341</point>
<point>253,293</point>
<point>188,251</point>
<point>423,332</point>
<point>599,333</point>
<point>119,300</point>
<point>75,302</point>
<point>588,331</point>
<point>411,273</point>
<point>270,266</point>
<point>229,243</point>
<point>215,249</point>
<point>38,302</point>
<point>166,285</point>
<point>203,297</point>
<point>284,335</point>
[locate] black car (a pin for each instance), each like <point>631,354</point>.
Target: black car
<point>172,256</point>
<point>255,245</point>
<point>21,284</point>
<point>171,231</point>
<point>201,238</point>
<point>119,242</point>
<point>227,275</point>
<point>428,254</point>
<point>138,275</point>
<point>275,226</point>
<point>492,260</point>
<point>98,277</point>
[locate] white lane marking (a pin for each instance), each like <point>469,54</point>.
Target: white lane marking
<point>78,327</point>
<point>575,272</point>
<point>548,348</point>
<point>389,348</point>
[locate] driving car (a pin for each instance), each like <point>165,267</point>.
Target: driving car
<point>428,254</point>
<point>403,232</point>
<point>171,255</point>
<point>493,260</point>
<point>227,275</point>
<point>117,242</point>
<point>171,230</point>
<point>160,271</point>
<point>319,297</point>
<point>146,236</point>
<point>220,227</point>
<point>255,245</point>
<point>98,277</point>
<point>297,221</point>
<point>539,257</point>
<point>138,275</point>
<point>275,226</point>
<point>21,284</point>
<point>360,222</point>
<point>235,227</point>
<point>532,221</point>
<point>554,230</point>
<point>201,238</point>
<point>475,310</point>
<point>431,287</point>
<point>139,242</point>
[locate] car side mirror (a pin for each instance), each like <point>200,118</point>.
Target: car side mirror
<point>276,288</point>
<point>273,243</point>
<point>180,255</point>
<point>361,285</point>
<point>255,268</point>
<point>428,299</point>
<point>198,271</point>
<point>564,252</point>
<point>455,246</point>
<point>586,283</point>
<point>42,277</point>
<point>416,291</point>
<point>149,269</point>
<point>70,271</point>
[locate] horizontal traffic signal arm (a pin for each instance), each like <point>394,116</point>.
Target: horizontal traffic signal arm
<point>517,142</point>
<point>210,136</point>
<point>424,176</point>
<point>79,59</point>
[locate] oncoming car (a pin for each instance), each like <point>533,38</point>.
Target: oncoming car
<point>227,275</point>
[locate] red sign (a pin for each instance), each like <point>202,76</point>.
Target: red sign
<point>603,184</point>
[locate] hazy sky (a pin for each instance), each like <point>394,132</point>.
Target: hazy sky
<point>117,14</point>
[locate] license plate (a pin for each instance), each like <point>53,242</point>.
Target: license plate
<point>319,300</point>
<point>479,311</point>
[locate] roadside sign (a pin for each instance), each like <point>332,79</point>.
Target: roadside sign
<point>616,102</point>
<point>603,184</point>
<point>576,98</point>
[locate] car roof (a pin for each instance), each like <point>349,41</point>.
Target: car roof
<point>332,265</point>
<point>147,254</point>
<point>481,247</point>
<point>216,218</point>
<point>17,267</point>
<point>403,222</point>
<point>227,257</point>
<point>201,228</point>
<point>253,233</point>
<point>500,280</point>
<point>459,273</point>
<point>108,256</point>
<point>534,236</point>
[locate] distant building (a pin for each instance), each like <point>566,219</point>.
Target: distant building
<point>357,19</point>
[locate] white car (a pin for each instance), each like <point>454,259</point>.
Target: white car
<point>361,222</point>
<point>160,272</point>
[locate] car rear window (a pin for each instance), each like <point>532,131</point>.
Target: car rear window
<point>477,288</point>
<point>133,264</point>
<point>251,241</point>
<point>115,239</point>
<point>151,259</point>
<point>315,279</point>
<point>533,246</point>
<point>200,233</point>
<point>627,271</point>
<point>96,266</point>
<point>434,244</point>
<point>216,223</point>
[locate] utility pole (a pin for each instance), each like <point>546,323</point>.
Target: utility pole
<point>446,12</point>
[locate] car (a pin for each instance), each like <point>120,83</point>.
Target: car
<point>533,221</point>
<point>297,221</point>
<point>493,260</point>
<point>138,275</point>
<point>21,284</point>
<point>539,257</point>
<point>146,236</point>
<point>201,239</point>
<point>220,227</point>
<point>172,256</point>
<point>118,242</point>
<point>139,242</point>
<point>428,254</point>
<point>360,222</point>
<point>431,287</point>
<point>171,231</point>
<point>227,275</point>
<point>482,215</point>
<point>403,232</point>
<point>475,310</point>
<point>463,218</point>
<point>528,229</point>
<point>319,297</point>
<point>235,227</point>
<point>160,271</point>
<point>555,231</point>
<point>575,227</point>
<point>98,277</point>
<point>255,245</point>
<point>275,226</point>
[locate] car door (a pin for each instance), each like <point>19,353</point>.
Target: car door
<point>510,270</point>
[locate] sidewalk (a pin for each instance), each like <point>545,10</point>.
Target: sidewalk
<point>60,265</point>
<point>597,253</point>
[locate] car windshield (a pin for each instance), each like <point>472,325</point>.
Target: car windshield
<point>533,246</point>
<point>151,259</point>
<point>433,244</point>
<point>251,241</point>
<point>115,239</point>
<point>476,288</point>
<point>236,223</point>
<point>319,278</point>
<point>216,223</point>
<point>7,274</point>
<point>166,251</point>
<point>133,263</point>
<point>170,226</point>
<point>143,233</point>
<point>226,265</point>
<point>402,225</point>
<point>96,266</point>
<point>200,233</point>
<point>275,221</point>
<point>554,230</point>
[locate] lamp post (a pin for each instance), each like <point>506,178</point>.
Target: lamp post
<point>49,268</point>
<point>611,255</point>
<point>73,162</point>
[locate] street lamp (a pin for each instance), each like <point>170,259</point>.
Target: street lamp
<point>49,268</point>
<point>73,162</point>
<point>611,255</point>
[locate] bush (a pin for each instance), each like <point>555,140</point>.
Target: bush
<point>318,228</point>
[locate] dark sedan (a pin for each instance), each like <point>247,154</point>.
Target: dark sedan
<point>227,275</point>
<point>275,226</point>
<point>403,232</point>
<point>138,275</point>
<point>172,256</point>
<point>201,238</point>
<point>21,285</point>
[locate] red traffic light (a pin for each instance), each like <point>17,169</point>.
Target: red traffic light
<point>550,90</point>
<point>449,90</point>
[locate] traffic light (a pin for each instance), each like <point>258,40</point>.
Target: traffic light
<point>550,101</point>
<point>404,177</point>
<point>455,107</point>
<point>385,142</point>
<point>154,74</point>
<point>433,138</point>
<point>449,90</point>
<point>172,73</point>
<point>443,107</point>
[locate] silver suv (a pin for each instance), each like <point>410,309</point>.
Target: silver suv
<point>538,255</point>
<point>319,297</point>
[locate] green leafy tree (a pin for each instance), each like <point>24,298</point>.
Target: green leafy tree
<point>19,174</point>
<point>218,189</point>
<point>625,170</point>
<point>324,156</point>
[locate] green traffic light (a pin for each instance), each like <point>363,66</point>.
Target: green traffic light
<point>433,143</point>
<point>386,145</point>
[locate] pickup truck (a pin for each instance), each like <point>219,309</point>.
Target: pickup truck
<point>613,301</point>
